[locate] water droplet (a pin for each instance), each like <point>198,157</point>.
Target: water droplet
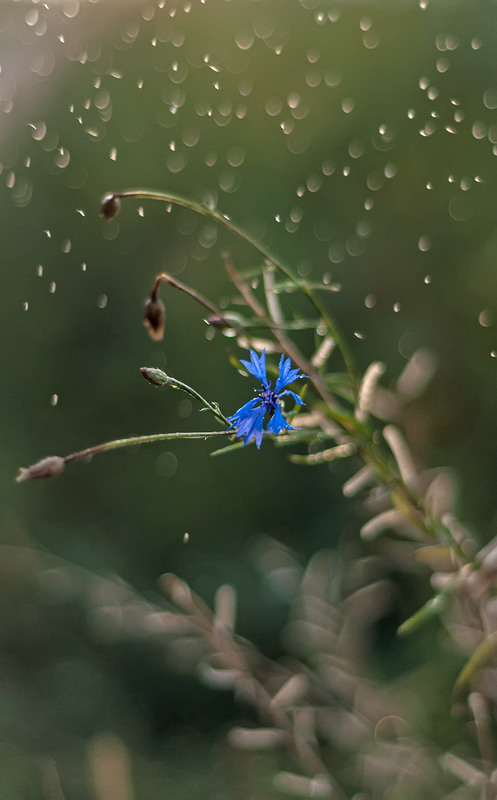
<point>166,464</point>
<point>427,279</point>
<point>348,105</point>
<point>375,181</point>
<point>66,246</point>
<point>62,158</point>
<point>273,106</point>
<point>54,400</point>
<point>313,183</point>
<point>332,78</point>
<point>39,270</point>
<point>359,335</point>
<point>443,64</point>
<point>428,129</point>
<point>102,300</point>
<point>313,78</point>
<point>479,129</point>
<point>486,318</point>
<point>52,287</point>
<point>424,243</point>
<point>370,301</point>
<point>396,307</point>
<point>244,40</point>
<point>336,253</point>
<point>493,353</point>
<point>39,130</point>
<point>476,43</point>
<point>356,148</point>
<point>83,266</point>
<point>25,305</point>
<point>186,538</point>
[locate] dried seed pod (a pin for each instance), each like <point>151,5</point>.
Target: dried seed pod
<point>110,206</point>
<point>154,317</point>
<point>46,468</point>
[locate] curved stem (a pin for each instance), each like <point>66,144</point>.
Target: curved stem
<point>131,441</point>
<point>225,221</point>
<point>222,219</point>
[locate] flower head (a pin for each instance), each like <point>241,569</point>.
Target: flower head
<point>249,419</point>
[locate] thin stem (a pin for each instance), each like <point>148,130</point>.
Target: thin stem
<point>268,255</point>
<point>212,407</point>
<point>157,377</point>
<point>131,441</point>
<point>182,287</point>
<point>178,200</point>
<point>288,346</point>
<point>337,336</point>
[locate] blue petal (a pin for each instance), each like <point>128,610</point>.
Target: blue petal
<point>297,399</point>
<point>277,423</point>
<point>257,366</point>
<point>286,374</point>
<point>252,427</point>
<point>242,413</point>
<point>248,422</point>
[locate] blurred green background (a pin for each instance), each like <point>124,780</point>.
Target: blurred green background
<point>358,140</point>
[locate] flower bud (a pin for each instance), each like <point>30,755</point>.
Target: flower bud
<point>110,206</point>
<point>155,376</point>
<point>46,468</point>
<point>154,318</point>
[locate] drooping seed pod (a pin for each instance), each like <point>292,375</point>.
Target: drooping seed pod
<point>154,318</point>
<point>110,206</point>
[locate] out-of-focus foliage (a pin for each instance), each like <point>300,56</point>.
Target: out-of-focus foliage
<point>359,141</point>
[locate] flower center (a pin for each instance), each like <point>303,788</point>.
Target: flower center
<point>269,399</point>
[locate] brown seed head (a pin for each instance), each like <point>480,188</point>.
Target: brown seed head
<point>154,318</point>
<point>46,468</point>
<point>110,206</point>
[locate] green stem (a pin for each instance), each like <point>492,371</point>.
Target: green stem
<point>176,384</point>
<point>335,333</point>
<point>221,219</point>
<point>157,377</point>
<point>131,441</point>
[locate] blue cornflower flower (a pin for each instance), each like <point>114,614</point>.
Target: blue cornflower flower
<point>249,419</point>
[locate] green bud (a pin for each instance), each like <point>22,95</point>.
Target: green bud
<point>155,376</point>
